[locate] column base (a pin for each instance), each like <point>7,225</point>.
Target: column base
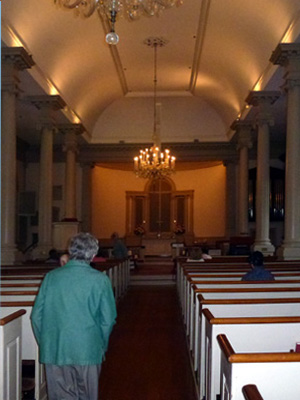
<point>264,247</point>
<point>9,255</point>
<point>289,251</point>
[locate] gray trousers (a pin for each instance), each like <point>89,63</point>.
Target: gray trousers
<point>68,382</point>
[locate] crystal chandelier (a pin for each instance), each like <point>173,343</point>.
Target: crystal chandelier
<point>153,163</point>
<point>132,9</point>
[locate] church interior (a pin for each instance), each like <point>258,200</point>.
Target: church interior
<point>175,124</point>
<point>77,110</point>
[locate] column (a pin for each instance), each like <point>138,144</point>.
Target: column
<point>86,202</point>
<point>263,100</point>
<point>14,60</point>
<point>70,147</point>
<point>243,129</point>
<point>230,198</point>
<point>48,106</point>
<point>288,56</point>
<point>69,226</point>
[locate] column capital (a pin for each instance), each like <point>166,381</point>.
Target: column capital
<point>243,130</point>
<point>52,102</point>
<point>14,59</point>
<point>263,100</point>
<point>17,56</point>
<point>262,97</point>
<point>288,56</point>
<point>284,53</point>
<point>48,105</point>
<point>77,129</point>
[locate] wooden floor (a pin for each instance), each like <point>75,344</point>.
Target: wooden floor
<point>147,357</point>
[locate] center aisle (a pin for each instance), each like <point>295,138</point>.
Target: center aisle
<point>147,357</point>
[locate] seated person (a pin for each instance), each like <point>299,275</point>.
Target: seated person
<point>119,249</point>
<point>53,257</point>
<point>205,254</point>
<point>258,271</point>
<point>195,254</point>
<point>101,256</point>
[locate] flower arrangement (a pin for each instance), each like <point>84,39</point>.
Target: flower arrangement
<point>139,230</point>
<point>179,229</point>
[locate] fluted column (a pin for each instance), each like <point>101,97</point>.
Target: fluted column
<point>231,180</point>
<point>47,105</point>
<point>70,147</point>
<point>262,101</point>
<point>86,202</point>
<point>13,60</point>
<point>243,130</point>
<point>288,56</point>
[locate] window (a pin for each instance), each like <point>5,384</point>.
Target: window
<point>159,208</point>
<point>277,194</point>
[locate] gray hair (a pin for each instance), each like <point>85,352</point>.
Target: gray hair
<point>83,246</point>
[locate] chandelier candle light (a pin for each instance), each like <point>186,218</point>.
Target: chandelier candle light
<point>154,163</point>
<point>132,9</point>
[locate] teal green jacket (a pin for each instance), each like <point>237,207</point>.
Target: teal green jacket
<point>73,315</point>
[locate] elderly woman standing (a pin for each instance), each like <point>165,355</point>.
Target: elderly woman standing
<point>72,319</point>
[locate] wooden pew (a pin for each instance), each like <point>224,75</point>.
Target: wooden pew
<point>19,288</point>
<point>29,348</point>
<point>10,354</point>
<point>218,299</point>
<point>276,370</point>
<point>197,287</point>
<point>117,270</point>
<point>185,271</point>
<point>182,267</point>
<point>190,311</point>
<point>243,330</point>
<point>251,392</point>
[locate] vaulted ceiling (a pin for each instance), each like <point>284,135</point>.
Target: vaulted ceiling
<point>216,52</point>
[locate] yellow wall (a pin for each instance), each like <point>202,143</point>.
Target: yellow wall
<point>109,199</point>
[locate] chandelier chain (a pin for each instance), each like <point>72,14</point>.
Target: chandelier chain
<point>153,163</point>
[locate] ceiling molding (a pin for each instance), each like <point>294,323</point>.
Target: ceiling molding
<point>115,56</point>
<point>204,12</point>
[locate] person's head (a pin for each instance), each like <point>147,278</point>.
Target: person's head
<point>115,235</point>
<point>256,259</point>
<point>64,259</point>
<point>83,246</point>
<point>53,254</point>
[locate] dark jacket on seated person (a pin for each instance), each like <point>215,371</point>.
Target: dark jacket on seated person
<point>258,272</point>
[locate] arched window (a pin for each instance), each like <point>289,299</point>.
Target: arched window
<point>160,194</point>
<point>159,209</point>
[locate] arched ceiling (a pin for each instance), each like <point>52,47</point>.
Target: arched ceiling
<point>217,51</point>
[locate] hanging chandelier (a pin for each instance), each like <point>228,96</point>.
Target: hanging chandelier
<point>153,163</point>
<point>131,9</point>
